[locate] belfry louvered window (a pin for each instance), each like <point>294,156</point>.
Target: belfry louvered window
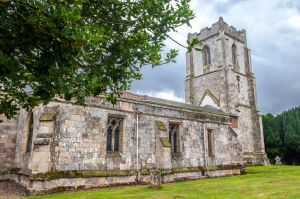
<point>114,130</point>
<point>234,56</point>
<point>206,55</point>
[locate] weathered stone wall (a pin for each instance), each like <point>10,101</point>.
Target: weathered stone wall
<point>69,141</point>
<point>8,134</point>
<point>210,81</point>
<point>74,138</point>
<point>69,137</point>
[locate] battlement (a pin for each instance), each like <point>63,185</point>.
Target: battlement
<point>220,26</point>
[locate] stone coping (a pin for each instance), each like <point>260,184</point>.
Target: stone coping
<point>154,100</point>
<point>147,100</point>
<point>206,111</point>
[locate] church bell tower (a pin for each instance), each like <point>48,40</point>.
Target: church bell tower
<point>220,76</point>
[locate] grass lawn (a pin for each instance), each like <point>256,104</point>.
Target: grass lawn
<point>259,182</point>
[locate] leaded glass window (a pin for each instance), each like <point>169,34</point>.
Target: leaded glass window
<point>114,129</point>
<point>210,142</point>
<point>173,137</point>
<point>206,55</point>
<point>234,57</point>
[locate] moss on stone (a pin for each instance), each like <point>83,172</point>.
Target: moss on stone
<point>52,175</point>
<point>9,170</point>
<point>156,172</point>
<point>47,115</point>
<point>145,172</point>
<point>212,168</point>
<point>80,187</point>
<point>43,135</point>
<point>166,171</point>
<point>62,189</point>
<point>78,174</point>
<point>165,142</point>
<point>14,169</point>
<point>3,171</point>
<point>161,126</point>
<point>201,168</point>
<point>187,169</point>
<point>228,167</point>
<point>104,173</point>
<point>86,174</point>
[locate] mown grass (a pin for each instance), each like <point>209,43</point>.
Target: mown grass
<point>259,182</point>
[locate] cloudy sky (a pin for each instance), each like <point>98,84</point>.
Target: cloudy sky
<point>273,31</point>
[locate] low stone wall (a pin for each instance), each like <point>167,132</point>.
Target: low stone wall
<point>52,182</point>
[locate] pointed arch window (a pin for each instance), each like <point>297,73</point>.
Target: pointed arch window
<point>114,131</point>
<point>174,137</point>
<point>234,56</point>
<point>206,55</point>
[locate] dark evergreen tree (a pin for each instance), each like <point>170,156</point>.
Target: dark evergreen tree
<point>282,135</point>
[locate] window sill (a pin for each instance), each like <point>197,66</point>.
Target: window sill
<point>113,154</point>
<point>176,155</point>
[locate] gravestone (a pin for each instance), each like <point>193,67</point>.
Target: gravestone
<point>155,178</point>
<point>267,163</point>
<point>278,161</point>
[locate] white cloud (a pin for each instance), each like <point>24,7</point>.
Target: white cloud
<point>166,94</point>
<point>294,21</point>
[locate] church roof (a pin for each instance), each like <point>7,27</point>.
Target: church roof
<point>170,103</point>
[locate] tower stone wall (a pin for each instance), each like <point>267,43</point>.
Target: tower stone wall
<point>222,77</point>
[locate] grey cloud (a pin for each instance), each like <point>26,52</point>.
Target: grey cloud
<point>161,78</point>
<point>273,34</point>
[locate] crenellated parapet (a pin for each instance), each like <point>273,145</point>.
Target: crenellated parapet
<point>216,28</point>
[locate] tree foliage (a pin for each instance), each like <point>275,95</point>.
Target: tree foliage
<point>282,135</point>
<point>81,48</point>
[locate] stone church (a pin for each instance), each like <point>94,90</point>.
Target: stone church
<point>62,145</point>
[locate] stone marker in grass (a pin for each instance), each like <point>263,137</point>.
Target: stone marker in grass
<point>155,178</point>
